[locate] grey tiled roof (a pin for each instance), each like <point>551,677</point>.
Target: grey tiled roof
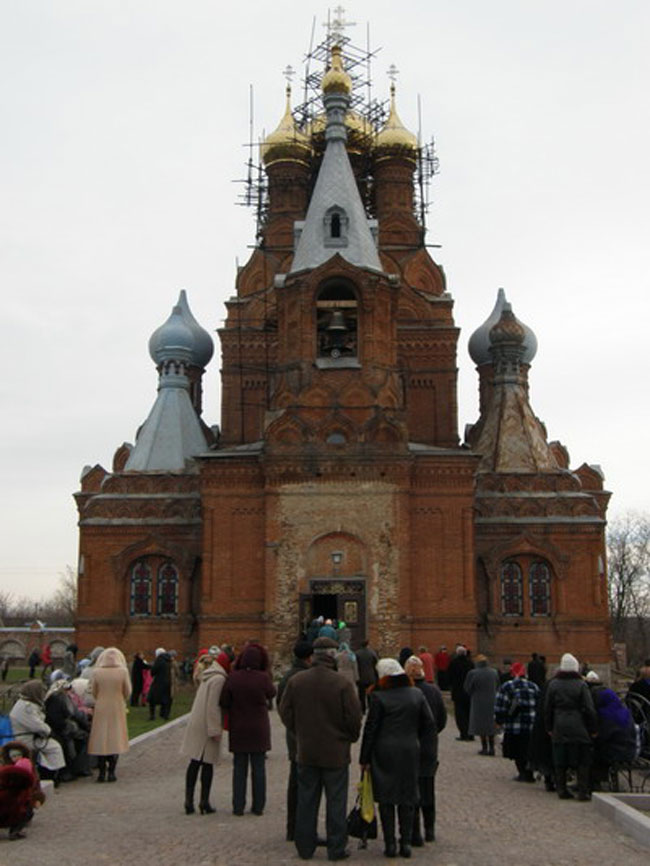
<point>336,187</point>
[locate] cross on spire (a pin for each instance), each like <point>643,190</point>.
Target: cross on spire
<point>336,25</point>
<point>392,72</point>
<point>288,73</point>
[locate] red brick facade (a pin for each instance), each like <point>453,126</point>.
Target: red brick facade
<point>341,487</point>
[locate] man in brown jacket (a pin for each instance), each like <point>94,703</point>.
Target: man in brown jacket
<point>321,708</point>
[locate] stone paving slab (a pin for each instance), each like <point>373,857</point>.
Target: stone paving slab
<point>484,818</point>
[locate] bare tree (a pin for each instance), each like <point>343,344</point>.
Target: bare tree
<point>65,597</point>
<point>628,552</point>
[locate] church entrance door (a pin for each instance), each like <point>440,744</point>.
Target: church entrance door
<point>342,599</point>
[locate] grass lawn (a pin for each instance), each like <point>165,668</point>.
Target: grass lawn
<point>137,718</point>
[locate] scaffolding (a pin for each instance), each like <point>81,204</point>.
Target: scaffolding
<point>373,113</point>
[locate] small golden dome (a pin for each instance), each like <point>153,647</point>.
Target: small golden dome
<point>336,79</point>
<point>359,128</point>
<point>394,137</point>
<point>287,142</point>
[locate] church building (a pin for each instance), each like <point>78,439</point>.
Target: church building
<point>336,483</point>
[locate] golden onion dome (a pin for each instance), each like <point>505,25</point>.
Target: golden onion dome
<point>394,137</point>
<point>359,129</point>
<point>287,142</point>
<point>336,79</point>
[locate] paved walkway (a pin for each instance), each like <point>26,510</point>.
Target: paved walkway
<point>484,819</point>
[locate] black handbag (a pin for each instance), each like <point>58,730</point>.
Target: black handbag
<point>358,828</point>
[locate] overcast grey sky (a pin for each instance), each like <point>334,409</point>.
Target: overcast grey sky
<point>123,128</point>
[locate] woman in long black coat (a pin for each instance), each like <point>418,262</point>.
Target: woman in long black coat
<point>399,719</point>
<point>246,695</point>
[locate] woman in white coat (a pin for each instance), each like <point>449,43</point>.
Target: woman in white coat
<point>111,689</point>
<point>202,740</point>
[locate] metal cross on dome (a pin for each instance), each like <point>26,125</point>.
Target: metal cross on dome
<point>336,26</point>
<point>392,72</point>
<point>288,73</point>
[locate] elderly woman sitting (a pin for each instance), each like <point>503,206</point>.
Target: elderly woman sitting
<point>29,727</point>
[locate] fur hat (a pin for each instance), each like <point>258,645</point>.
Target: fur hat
<point>389,668</point>
<point>569,663</point>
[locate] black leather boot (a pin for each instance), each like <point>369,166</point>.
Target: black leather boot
<point>190,783</point>
<point>112,763</point>
<point>206,783</point>
<point>405,814</point>
<point>387,816</point>
<point>584,788</point>
<point>416,836</point>
<point>560,784</point>
<point>101,766</point>
<point>429,815</point>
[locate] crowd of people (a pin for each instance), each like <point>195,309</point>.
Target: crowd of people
<point>556,727</point>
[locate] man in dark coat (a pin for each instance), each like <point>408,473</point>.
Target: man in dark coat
<point>367,660</point>
<point>137,679</point>
<point>160,691</point>
<point>321,708</point>
<point>302,656</point>
<point>459,667</point>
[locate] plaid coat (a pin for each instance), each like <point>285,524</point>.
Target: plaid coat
<point>514,706</point>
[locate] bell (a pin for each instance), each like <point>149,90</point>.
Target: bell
<point>337,322</point>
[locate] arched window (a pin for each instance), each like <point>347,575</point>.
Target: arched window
<point>511,589</point>
<point>140,589</point>
<point>539,584</point>
<point>336,227</point>
<point>167,590</point>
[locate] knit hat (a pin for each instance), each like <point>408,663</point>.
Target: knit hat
<point>517,669</point>
<point>389,668</point>
<point>303,649</point>
<point>159,651</point>
<point>323,643</point>
<point>569,663</point>
<point>592,677</point>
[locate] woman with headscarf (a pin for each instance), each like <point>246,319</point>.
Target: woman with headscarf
<point>346,663</point>
<point>246,695</point>
<point>111,688</point>
<point>202,740</point>
<point>70,728</point>
<point>399,721</point>
<point>428,754</point>
<point>29,727</point>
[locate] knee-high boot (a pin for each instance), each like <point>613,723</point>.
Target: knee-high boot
<point>560,784</point>
<point>416,836</point>
<point>206,783</point>
<point>405,815</point>
<point>190,783</point>
<point>387,816</point>
<point>112,763</point>
<point>101,764</point>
